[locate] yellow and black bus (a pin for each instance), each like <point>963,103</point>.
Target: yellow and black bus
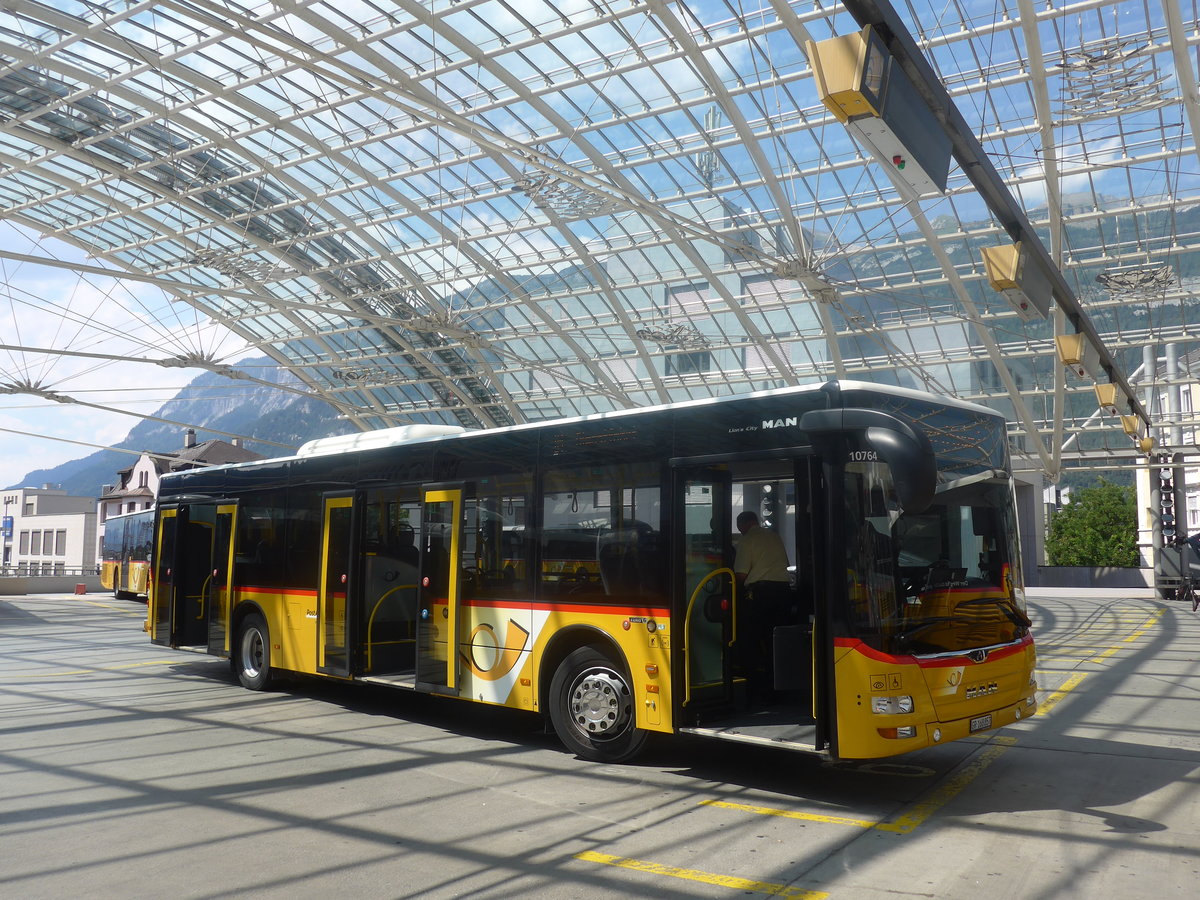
<point>582,569</point>
<point>125,554</point>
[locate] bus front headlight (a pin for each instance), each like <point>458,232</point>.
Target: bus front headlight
<point>891,706</point>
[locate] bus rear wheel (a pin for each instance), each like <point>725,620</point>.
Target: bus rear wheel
<point>591,708</point>
<point>251,659</point>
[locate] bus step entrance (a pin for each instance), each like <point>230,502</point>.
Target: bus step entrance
<point>763,729</point>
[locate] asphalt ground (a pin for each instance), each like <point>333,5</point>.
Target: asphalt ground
<point>130,771</point>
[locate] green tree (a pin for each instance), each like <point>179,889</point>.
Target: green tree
<point>1096,527</point>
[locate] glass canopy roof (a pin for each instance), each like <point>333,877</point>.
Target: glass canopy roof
<point>484,212</point>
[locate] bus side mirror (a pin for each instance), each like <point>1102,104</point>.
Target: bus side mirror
<point>906,450</point>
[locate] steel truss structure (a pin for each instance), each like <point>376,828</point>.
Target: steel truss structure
<point>484,212</point>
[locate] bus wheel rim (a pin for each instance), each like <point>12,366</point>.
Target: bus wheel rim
<point>252,652</point>
<point>599,704</point>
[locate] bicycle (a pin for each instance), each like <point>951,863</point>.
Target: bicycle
<point>1189,570</point>
<point>1187,592</point>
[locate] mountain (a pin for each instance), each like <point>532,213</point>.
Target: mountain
<point>232,406</point>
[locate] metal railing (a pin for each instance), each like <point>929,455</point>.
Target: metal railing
<point>34,570</point>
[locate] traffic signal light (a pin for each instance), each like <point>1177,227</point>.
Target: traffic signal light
<point>768,505</point>
<point>1168,472</point>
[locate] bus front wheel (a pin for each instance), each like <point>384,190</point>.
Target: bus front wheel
<point>591,708</point>
<point>252,653</point>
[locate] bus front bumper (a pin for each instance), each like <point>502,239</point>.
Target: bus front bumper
<point>990,720</point>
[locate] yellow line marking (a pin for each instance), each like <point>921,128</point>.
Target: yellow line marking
<point>153,662</point>
<point>949,789</point>
<point>1061,660</point>
<point>790,814</point>
<point>1145,626</point>
<point>946,791</point>
<point>911,819</point>
<point>923,809</point>
<point>1069,685</point>
<point>731,881</point>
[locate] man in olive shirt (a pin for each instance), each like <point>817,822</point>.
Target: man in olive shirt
<point>764,598</point>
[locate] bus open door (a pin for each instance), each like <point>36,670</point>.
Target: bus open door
<point>191,597</point>
<point>440,589</point>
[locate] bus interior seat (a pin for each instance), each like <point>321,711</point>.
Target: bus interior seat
<point>619,569</point>
<point>402,545</point>
<point>651,563</point>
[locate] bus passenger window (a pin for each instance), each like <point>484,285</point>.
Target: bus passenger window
<point>259,551</point>
<point>601,532</point>
<point>496,556</point>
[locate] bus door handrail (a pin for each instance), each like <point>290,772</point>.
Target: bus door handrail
<point>201,595</point>
<point>375,609</point>
<point>687,624</point>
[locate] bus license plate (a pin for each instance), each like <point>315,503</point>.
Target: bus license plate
<point>979,723</point>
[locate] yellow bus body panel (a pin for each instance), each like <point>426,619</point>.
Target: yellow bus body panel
<point>953,696</point>
<point>292,624</point>
<point>501,646</point>
<point>139,577</point>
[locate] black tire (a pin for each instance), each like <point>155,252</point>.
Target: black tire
<point>1188,594</point>
<point>251,659</point>
<point>591,708</point>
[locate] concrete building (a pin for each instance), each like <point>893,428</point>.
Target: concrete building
<point>137,485</point>
<point>48,532</point>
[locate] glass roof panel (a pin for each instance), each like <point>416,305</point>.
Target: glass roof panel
<point>489,212</point>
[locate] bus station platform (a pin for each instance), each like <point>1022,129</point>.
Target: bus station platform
<point>133,771</point>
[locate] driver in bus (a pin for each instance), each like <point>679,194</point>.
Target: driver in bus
<point>764,586</point>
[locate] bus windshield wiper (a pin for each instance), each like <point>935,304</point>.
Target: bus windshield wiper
<point>909,633</point>
<point>1010,612</point>
<point>1013,614</point>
